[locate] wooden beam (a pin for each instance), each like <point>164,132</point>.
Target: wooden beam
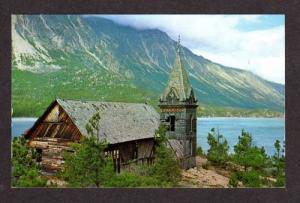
<point>52,122</point>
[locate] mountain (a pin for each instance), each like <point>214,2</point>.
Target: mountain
<point>81,57</point>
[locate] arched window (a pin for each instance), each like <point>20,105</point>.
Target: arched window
<point>172,123</point>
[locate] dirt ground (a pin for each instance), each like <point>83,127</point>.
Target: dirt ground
<point>199,177</point>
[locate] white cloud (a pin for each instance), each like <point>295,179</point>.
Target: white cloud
<point>217,38</point>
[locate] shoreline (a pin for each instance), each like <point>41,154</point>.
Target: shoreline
<point>25,118</point>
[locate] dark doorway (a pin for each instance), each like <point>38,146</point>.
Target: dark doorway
<point>39,155</point>
<point>135,150</point>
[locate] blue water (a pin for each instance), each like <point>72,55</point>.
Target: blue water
<point>20,125</point>
<point>264,131</point>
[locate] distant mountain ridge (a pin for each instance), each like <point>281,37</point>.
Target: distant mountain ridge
<point>95,58</point>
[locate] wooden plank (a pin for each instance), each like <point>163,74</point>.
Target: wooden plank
<point>60,140</point>
<point>46,145</point>
<point>145,148</point>
<point>56,123</point>
<point>52,122</point>
<point>51,163</point>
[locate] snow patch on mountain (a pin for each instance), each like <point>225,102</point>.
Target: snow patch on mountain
<point>30,57</point>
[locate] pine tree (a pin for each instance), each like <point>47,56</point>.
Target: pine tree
<point>248,155</point>
<point>279,163</point>
<point>166,168</point>
<point>25,170</point>
<point>276,157</point>
<point>218,151</point>
<point>85,167</point>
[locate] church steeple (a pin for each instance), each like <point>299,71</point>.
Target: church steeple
<point>178,112</point>
<point>178,83</point>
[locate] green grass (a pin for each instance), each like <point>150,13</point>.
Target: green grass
<point>206,110</point>
<point>32,93</point>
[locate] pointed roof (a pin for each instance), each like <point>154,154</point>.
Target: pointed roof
<point>178,81</point>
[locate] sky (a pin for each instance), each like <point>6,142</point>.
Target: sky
<point>251,42</point>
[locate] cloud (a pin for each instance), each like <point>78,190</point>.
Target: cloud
<point>218,38</point>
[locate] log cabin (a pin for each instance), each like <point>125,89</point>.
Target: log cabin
<point>128,128</point>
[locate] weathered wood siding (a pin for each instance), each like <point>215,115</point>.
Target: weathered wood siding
<point>52,136</point>
<point>139,151</point>
<point>145,148</point>
<point>54,131</point>
<point>56,124</point>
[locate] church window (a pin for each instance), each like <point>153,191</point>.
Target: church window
<point>172,123</point>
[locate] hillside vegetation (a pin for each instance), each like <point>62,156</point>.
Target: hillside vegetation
<point>92,58</point>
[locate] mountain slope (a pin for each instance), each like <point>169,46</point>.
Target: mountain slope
<point>95,58</point>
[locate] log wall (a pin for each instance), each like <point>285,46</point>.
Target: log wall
<point>51,152</point>
<point>52,134</point>
<point>123,154</point>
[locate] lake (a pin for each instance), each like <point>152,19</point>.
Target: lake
<point>264,131</point>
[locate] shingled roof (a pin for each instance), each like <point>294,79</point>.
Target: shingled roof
<point>178,81</point>
<point>120,122</point>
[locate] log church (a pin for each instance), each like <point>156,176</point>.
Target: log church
<point>128,128</point>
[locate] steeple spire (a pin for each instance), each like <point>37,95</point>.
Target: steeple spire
<point>178,81</point>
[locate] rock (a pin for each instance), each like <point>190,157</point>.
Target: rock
<point>199,177</point>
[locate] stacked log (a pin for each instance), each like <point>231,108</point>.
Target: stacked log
<point>52,152</point>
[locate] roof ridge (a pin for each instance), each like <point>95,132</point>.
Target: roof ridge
<point>115,102</point>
